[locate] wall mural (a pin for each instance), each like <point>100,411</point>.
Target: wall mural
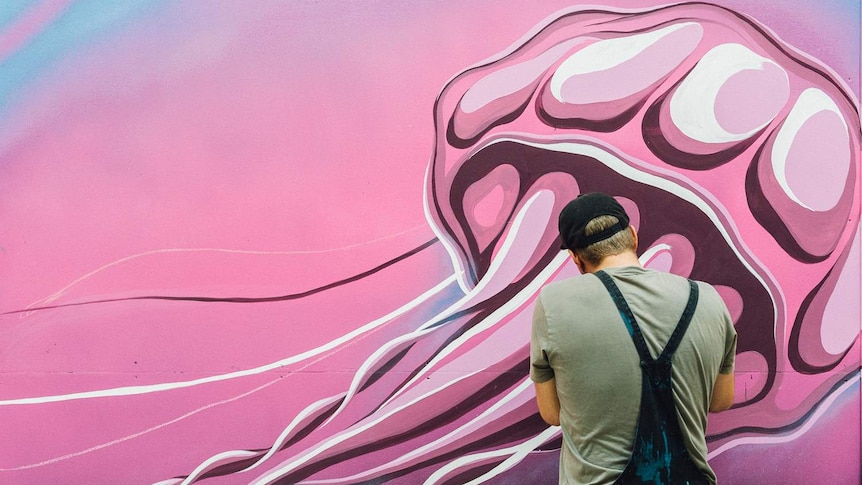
<point>300,241</point>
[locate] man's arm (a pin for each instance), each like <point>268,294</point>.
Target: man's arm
<point>722,393</point>
<point>549,403</point>
<point>722,390</point>
<point>540,368</point>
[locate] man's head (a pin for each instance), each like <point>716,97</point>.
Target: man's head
<point>595,226</point>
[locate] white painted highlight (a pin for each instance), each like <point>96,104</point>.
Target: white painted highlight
<point>516,454</point>
<point>810,102</point>
<point>451,250</point>
<point>494,318</point>
<point>692,107</point>
<point>652,252</point>
<point>141,433</point>
<point>288,431</point>
<point>511,79</point>
<point>330,346</point>
<point>311,453</point>
<point>607,54</point>
<point>671,186</point>
<point>539,206</point>
<point>525,386</point>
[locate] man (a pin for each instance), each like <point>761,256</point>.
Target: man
<point>622,421</point>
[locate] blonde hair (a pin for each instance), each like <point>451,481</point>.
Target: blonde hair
<point>618,243</point>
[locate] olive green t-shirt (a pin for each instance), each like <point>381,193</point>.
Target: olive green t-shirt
<point>579,338</point>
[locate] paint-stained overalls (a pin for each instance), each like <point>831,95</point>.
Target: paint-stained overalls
<point>659,456</point>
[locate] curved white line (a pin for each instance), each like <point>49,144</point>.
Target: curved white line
<point>673,186</point>
<point>606,54</point>
<point>308,455</point>
<point>764,440</point>
<point>203,467</point>
<point>372,359</point>
<point>701,87</point>
<point>293,424</point>
<point>809,103</point>
<point>141,433</point>
<point>517,453</point>
<point>652,252</point>
<point>441,236</point>
<point>350,338</point>
<point>51,298</point>
<point>504,310</point>
<point>502,255</point>
<point>475,292</point>
<point>525,386</point>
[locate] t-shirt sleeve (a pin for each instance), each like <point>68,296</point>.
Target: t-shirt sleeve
<point>540,368</point>
<point>730,338</point>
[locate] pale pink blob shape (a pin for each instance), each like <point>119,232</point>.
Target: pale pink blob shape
<point>632,210</point>
<point>840,322</point>
<point>749,97</point>
<point>501,92</point>
<point>511,80</point>
<point>490,200</point>
<point>821,152</point>
<point>661,261</point>
<point>732,299</point>
<point>674,253</point>
<point>522,242</point>
<point>620,67</point>
<point>488,209</point>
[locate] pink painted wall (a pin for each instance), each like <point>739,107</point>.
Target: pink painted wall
<point>300,241</point>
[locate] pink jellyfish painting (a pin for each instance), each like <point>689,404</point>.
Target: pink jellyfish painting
<point>737,156</point>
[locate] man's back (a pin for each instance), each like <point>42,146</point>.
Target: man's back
<point>597,369</point>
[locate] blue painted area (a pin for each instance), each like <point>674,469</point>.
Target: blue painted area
<point>12,10</point>
<point>82,23</point>
<point>847,7</point>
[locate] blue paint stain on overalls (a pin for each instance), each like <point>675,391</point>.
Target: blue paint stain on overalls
<point>659,456</point>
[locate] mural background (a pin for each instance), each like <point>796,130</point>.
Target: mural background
<point>214,212</point>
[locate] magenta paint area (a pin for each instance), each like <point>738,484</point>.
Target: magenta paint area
<point>266,245</point>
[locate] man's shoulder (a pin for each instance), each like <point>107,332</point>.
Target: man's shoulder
<point>715,300</point>
<point>571,290</point>
<point>707,291</point>
<point>569,284</point>
<point>669,281</point>
<point>673,278</point>
<point>712,301</point>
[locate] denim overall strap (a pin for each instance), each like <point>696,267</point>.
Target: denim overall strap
<point>659,456</point>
